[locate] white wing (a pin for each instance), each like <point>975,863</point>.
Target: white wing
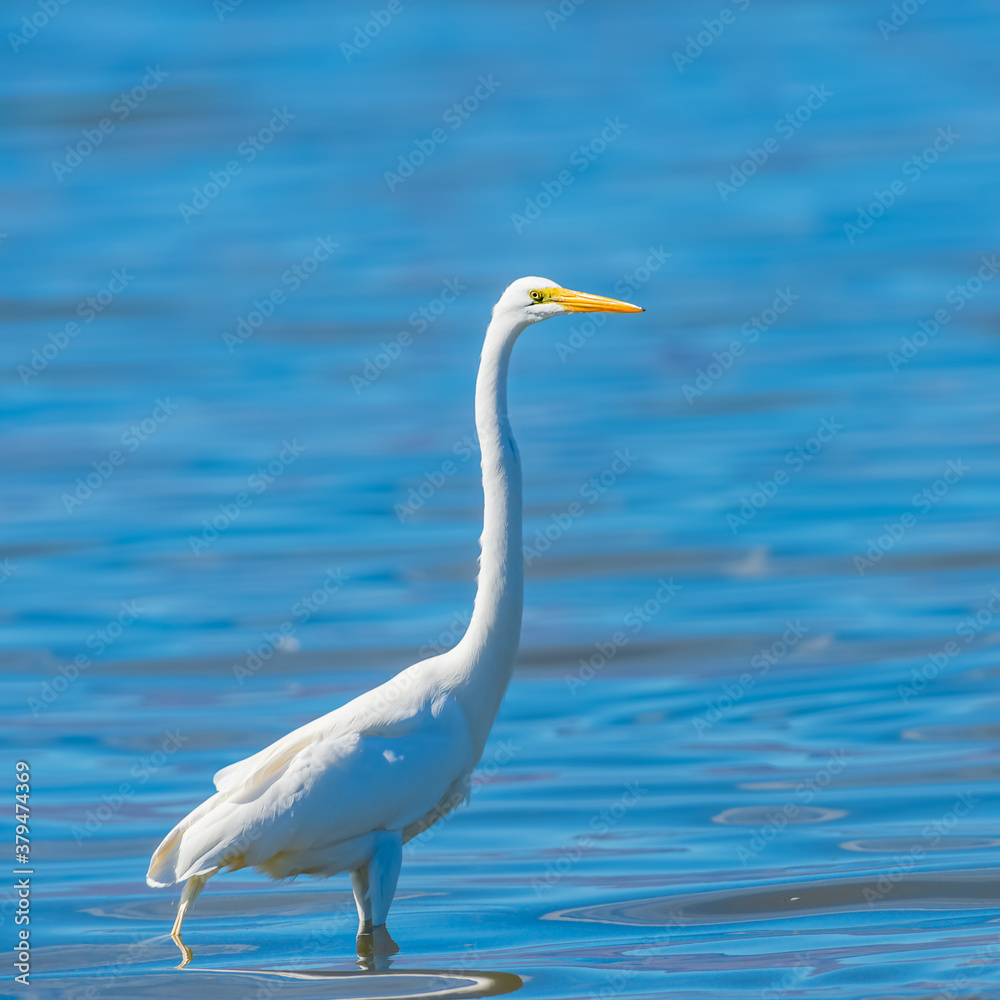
<point>388,707</point>
<point>381,762</point>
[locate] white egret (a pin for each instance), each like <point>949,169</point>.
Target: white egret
<point>345,792</point>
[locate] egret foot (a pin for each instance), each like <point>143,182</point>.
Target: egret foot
<point>375,942</point>
<point>186,953</point>
<point>382,941</point>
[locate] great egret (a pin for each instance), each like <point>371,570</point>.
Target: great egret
<point>345,792</point>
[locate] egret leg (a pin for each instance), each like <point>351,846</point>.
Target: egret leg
<point>383,873</point>
<point>379,878</point>
<point>192,887</point>
<point>359,883</point>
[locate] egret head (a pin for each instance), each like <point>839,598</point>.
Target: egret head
<point>529,300</point>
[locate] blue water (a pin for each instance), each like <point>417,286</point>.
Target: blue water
<point>751,746</point>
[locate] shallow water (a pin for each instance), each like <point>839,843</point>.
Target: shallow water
<point>751,746</point>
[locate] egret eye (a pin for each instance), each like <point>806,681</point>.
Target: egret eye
<point>536,295</point>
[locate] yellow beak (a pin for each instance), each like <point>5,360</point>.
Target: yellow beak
<point>581,302</point>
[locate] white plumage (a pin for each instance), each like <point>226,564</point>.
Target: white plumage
<point>415,761</point>
<point>345,792</point>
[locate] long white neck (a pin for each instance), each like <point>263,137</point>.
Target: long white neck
<point>487,651</point>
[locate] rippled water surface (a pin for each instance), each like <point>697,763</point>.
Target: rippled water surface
<point>752,742</point>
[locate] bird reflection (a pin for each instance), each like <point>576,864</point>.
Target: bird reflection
<point>375,948</point>
<point>442,984</point>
